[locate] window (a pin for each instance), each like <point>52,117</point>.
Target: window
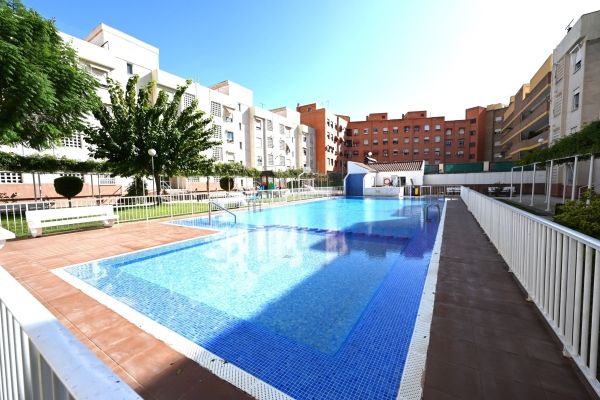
<point>375,130</point>
<point>215,109</point>
<point>416,128</point>
<point>195,179</point>
<point>448,132</point>
<point>394,152</point>
<point>129,68</point>
<point>217,134</point>
<point>437,152</point>
<point>355,132</point>
<point>575,101</point>
<point>217,153</point>
<point>11,177</point>
<point>269,142</point>
<point>471,133</point>
<point>80,176</point>
<point>405,152</point>
<point>385,141</point>
<point>407,129</point>
<point>366,131</point>
<point>426,139</point>
<point>473,121</point>
<point>448,154</point>
<point>385,131</point>
<point>406,140</point>
<point>448,143</point>
<point>395,141</point>
<point>395,129</point>
<point>366,141</point>
<point>557,107</point>
<point>415,151</point>
<point>461,142</point>
<point>426,128</point>
<point>259,160</point>
<point>281,145</point>
<point>187,100</point>
<point>375,141</point>
<point>259,143</point>
<point>460,154</point>
<point>385,153</point>
<point>437,139</point>
<point>230,156</point>
<point>281,129</point>
<point>498,118</point>
<point>426,150</point>
<point>282,161</point>
<point>416,139</point>
<point>269,125</point>
<point>461,131</point>
<point>577,59</point>
<point>73,141</point>
<point>471,156</point>
<point>106,180</point>
<point>258,124</point>
<point>438,127</point>
<point>229,135</point>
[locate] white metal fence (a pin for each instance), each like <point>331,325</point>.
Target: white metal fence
<point>558,267</point>
<point>138,208</point>
<point>41,359</point>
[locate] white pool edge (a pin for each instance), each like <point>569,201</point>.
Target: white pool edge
<point>411,385</point>
<point>215,364</point>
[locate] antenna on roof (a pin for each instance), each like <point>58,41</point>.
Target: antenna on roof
<point>568,28</point>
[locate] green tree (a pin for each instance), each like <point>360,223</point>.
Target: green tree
<point>133,124</point>
<point>44,94</point>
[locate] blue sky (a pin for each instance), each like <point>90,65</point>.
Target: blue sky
<point>354,56</point>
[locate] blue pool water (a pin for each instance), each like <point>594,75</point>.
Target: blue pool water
<point>317,299</point>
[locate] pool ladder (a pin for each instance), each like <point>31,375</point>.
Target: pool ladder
<point>431,204</point>
<point>221,208</point>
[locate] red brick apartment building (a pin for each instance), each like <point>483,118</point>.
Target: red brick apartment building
<point>329,135</point>
<point>417,137</point>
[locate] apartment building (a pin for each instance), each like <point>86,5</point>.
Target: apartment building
<point>106,52</point>
<point>526,120</point>
<point>416,136</point>
<point>575,85</point>
<point>328,130</point>
<point>494,118</point>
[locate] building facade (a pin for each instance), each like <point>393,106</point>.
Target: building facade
<point>416,136</point>
<point>494,119</point>
<point>328,130</point>
<point>575,86</point>
<point>526,120</point>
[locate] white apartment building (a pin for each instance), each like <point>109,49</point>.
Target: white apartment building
<point>267,140</point>
<point>575,92</point>
<point>575,88</point>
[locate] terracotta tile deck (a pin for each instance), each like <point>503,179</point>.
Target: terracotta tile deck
<point>487,342</point>
<point>149,366</point>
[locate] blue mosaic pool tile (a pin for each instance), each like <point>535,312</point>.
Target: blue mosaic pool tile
<point>368,364</point>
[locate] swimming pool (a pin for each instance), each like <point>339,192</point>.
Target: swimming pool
<point>317,300</point>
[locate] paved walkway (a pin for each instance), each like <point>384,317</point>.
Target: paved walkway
<point>148,365</point>
<point>487,342</point>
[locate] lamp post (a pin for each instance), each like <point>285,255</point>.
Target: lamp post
<point>152,153</point>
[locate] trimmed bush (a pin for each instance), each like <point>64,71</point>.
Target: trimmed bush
<point>226,183</point>
<point>68,186</point>
<point>580,216</point>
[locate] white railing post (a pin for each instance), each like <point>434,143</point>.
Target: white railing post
<point>590,177</point>
<point>532,184</point>
<point>549,191</point>
<point>574,185</point>
<point>521,187</point>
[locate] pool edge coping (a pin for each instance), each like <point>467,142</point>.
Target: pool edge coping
<point>411,383</point>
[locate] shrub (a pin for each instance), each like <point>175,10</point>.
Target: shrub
<point>68,186</point>
<point>137,187</point>
<point>226,183</point>
<point>581,216</point>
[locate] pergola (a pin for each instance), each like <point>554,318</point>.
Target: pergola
<point>548,181</point>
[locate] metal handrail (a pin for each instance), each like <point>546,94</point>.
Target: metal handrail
<point>219,207</point>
